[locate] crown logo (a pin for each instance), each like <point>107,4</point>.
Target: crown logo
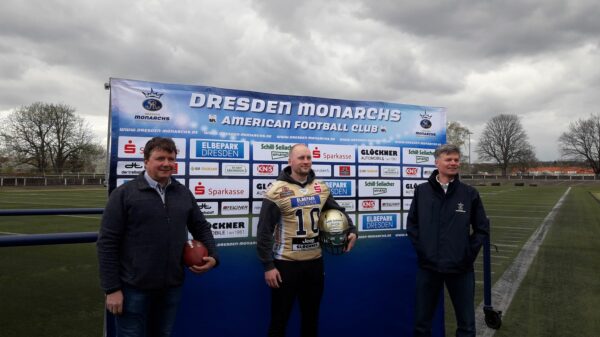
<point>424,115</point>
<point>152,94</point>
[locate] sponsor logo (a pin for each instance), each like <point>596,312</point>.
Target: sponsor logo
<point>368,171</point>
<point>332,153</point>
<point>199,189</point>
<point>299,244</point>
<point>215,192</point>
<point>322,170</point>
<point>317,188</point>
<point>229,228</point>
<point>211,169</point>
<point>422,159</point>
<point>340,188</point>
<point>379,190</point>
<point>391,204</point>
<point>460,208</point>
<point>285,192</point>
<point>411,171</point>
<point>235,169</point>
<point>208,208</point>
<point>265,168</point>
<point>379,221</point>
<point>368,205</point>
<point>130,147</point>
<point>219,149</point>
<point>379,154</point>
<point>316,153</point>
<point>349,205</point>
<point>305,201</point>
<point>390,171</point>
<point>345,170</point>
<point>234,208</point>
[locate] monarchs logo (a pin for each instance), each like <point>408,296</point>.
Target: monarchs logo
<point>152,101</point>
<point>426,120</point>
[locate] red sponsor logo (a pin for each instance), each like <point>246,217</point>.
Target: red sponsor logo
<point>316,153</point>
<point>175,168</point>
<point>345,170</point>
<point>129,147</point>
<point>199,189</point>
<point>318,188</point>
<point>265,169</point>
<point>368,203</point>
<point>411,171</point>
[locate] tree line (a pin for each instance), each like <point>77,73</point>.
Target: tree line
<point>48,139</point>
<point>52,139</point>
<point>505,142</point>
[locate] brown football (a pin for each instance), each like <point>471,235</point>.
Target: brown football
<point>193,252</point>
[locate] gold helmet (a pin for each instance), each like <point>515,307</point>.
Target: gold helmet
<point>333,231</point>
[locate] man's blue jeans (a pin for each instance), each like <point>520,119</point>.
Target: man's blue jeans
<point>148,312</point>
<point>461,288</point>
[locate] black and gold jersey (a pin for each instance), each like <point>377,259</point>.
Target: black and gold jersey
<point>296,234</point>
<point>288,224</point>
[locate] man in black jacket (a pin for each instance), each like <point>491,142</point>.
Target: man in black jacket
<point>447,226</point>
<point>143,231</point>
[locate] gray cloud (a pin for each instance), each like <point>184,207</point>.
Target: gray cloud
<point>536,59</point>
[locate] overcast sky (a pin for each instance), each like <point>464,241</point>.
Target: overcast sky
<point>537,59</point>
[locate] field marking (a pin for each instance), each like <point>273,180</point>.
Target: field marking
<point>11,233</point>
<point>513,227</point>
<point>505,245</point>
<point>507,285</point>
<point>514,217</point>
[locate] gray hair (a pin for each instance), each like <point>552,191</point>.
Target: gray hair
<point>447,149</point>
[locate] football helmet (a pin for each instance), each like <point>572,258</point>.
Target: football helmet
<point>333,231</point>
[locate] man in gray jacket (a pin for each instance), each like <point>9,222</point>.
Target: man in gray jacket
<point>143,231</point>
<point>447,226</point>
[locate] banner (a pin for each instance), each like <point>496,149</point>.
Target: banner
<point>232,144</point>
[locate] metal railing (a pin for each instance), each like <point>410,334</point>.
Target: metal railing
<point>48,239</point>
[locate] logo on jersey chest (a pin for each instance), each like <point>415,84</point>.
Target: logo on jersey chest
<point>305,201</point>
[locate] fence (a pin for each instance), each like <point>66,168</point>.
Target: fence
<point>53,180</point>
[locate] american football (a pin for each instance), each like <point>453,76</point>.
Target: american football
<point>193,252</point>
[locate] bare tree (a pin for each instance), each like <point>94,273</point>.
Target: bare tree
<point>26,135</point>
<point>582,142</point>
<point>504,141</point>
<point>46,135</point>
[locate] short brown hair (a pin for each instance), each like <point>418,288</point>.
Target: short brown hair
<point>161,143</point>
<point>447,149</point>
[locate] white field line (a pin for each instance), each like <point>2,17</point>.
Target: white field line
<point>514,217</point>
<point>82,216</point>
<point>10,233</point>
<point>513,227</point>
<point>506,287</point>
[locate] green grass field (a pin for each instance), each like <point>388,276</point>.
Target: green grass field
<point>54,290</point>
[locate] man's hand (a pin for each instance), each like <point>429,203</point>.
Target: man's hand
<point>273,278</point>
<point>114,302</point>
<point>210,263</point>
<point>351,242</point>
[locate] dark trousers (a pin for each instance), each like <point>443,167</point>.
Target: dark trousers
<point>148,313</point>
<point>303,280</point>
<point>461,288</point>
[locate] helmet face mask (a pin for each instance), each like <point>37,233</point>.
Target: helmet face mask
<point>333,231</point>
